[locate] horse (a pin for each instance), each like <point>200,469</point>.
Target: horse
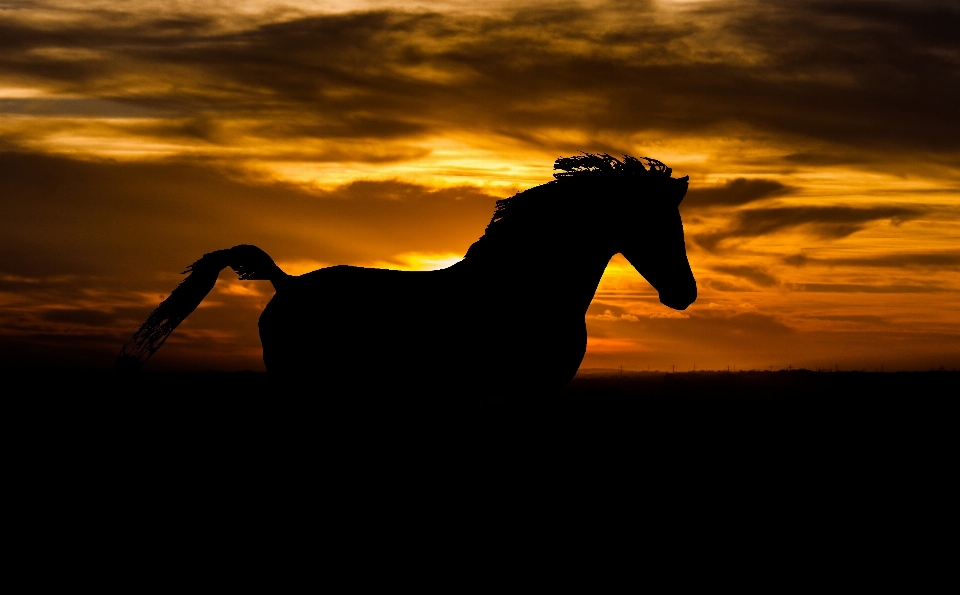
<point>507,319</point>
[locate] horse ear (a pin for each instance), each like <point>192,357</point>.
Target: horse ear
<point>679,188</point>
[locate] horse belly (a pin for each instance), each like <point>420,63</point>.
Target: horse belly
<point>347,339</point>
<point>407,334</point>
<point>543,357</point>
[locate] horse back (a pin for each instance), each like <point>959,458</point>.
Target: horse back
<point>343,321</point>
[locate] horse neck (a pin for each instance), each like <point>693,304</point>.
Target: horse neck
<point>565,267</point>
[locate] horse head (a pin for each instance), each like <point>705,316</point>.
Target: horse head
<point>647,228</point>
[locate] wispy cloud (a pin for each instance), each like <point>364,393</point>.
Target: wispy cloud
<point>755,275</point>
<point>922,260</point>
<point>735,193</point>
<point>825,222</point>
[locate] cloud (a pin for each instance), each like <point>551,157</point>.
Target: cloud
<point>840,73</point>
<point>735,193</point>
<point>79,316</point>
<point>826,222</point>
<point>863,288</point>
<point>855,318</point>
<point>670,314</point>
<point>731,287</point>
<point>755,275</point>
<point>907,260</point>
<point>609,316</point>
<point>872,72</point>
<point>731,334</point>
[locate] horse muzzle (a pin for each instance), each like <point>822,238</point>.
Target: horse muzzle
<point>679,299</point>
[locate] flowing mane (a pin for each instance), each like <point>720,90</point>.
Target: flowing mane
<point>589,168</point>
<point>595,167</point>
<point>590,163</point>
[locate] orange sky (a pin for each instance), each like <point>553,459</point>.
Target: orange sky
<point>822,141</point>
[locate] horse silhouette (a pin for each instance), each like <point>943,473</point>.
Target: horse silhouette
<point>508,318</point>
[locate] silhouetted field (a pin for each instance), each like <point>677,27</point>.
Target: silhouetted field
<point>235,453</point>
<point>691,411</point>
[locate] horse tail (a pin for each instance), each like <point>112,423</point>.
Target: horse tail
<point>249,262</point>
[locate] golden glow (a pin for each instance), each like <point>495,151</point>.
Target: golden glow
<point>415,261</point>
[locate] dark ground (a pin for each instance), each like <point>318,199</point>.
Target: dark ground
<point>694,412</point>
<point>770,449</point>
<point>707,420</point>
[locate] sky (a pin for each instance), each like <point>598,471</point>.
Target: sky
<point>822,141</point>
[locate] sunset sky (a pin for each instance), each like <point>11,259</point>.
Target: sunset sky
<point>822,141</point>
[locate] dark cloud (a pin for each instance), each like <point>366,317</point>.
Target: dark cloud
<point>825,222</point>
<point>933,23</point>
<point>79,316</point>
<point>735,193</point>
<point>861,72</point>
<point>862,288</point>
<point>918,260</point>
<point>755,275</point>
<point>861,75</point>
<point>727,287</point>
<point>93,108</point>
<point>856,318</point>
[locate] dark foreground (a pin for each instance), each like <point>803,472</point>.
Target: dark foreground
<point>686,413</point>
<point>708,421</point>
<point>157,448</point>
